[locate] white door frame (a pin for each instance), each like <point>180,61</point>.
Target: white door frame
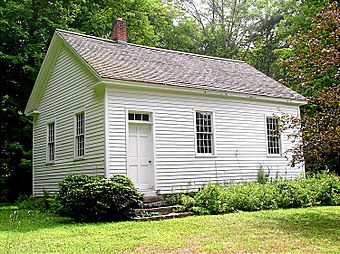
<point>151,122</point>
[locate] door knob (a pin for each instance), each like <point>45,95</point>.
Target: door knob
<point>149,161</point>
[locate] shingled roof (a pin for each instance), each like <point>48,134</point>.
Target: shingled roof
<point>130,62</point>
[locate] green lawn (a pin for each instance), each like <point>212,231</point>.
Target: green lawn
<point>309,230</point>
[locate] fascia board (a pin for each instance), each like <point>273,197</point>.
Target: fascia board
<point>169,88</point>
<point>44,73</point>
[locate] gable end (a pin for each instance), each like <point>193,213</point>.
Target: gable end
<point>57,43</point>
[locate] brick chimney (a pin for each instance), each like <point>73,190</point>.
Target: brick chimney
<point>119,30</point>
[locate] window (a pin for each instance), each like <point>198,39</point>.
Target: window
<point>50,142</point>
<point>204,132</point>
<point>80,135</point>
<point>139,117</point>
<point>273,137</point>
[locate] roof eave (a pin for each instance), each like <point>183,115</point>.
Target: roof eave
<point>43,74</point>
<point>164,87</point>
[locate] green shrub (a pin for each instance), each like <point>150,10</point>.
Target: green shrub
<point>325,188</point>
<point>46,203</point>
<point>174,199</point>
<point>93,198</point>
<point>209,198</point>
<point>262,177</point>
<point>214,199</point>
<point>291,194</point>
<point>320,189</point>
<point>27,202</point>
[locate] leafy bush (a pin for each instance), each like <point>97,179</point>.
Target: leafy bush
<point>46,203</point>
<point>93,198</point>
<point>209,199</point>
<point>319,189</point>
<point>262,177</point>
<point>214,198</point>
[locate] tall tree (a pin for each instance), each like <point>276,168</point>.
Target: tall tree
<point>226,25</point>
<point>314,59</point>
<point>269,35</point>
<point>313,68</point>
<point>26,27</point>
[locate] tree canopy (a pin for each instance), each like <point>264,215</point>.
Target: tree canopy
<point>296,42</point>
<point>26,28</point>
<point>313,69</point>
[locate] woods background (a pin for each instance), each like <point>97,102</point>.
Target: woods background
<point>294,42</point>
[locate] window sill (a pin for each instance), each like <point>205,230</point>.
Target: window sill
<point>79,158</point>
<point>205,156</point>
<point>137,121</point>
<point>274,156</point>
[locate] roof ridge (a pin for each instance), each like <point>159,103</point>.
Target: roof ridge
<point>152,48</point>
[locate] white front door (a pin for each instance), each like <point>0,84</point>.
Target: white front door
<point>140,155</point>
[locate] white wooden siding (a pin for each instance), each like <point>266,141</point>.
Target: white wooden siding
<point>68,91</point>
<point>240,138</point>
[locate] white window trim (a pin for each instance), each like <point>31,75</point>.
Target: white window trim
<point>75,152</point>
<point>149,113</point>
<point>48,162</point>
<point>280,139</point>
<point>213,145</point>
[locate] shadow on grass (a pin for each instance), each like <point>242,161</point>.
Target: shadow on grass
<point>311,223</point>
<point>13,219</point>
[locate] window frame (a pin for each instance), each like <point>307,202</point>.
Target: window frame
<point>48,142</point>
<point>150,116</point>
<point>280,146</point>
<point>76,135</point>
<point>213,143</point>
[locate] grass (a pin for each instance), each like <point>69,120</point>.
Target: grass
<point>308,230</point>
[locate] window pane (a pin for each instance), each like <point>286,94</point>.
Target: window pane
<point>50,142</point>
<point>131,116</point>
<point>273,138</point>
<point>204,135</point>
<point>138,117</point>
<point>80,134</point>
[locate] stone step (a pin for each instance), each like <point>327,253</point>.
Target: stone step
<point>152,198</point>
<point>156,210</point>
<point>154,204</point>
<point>162,217</point>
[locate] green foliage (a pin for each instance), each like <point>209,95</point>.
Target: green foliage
<point>46,203</point>
<point>174,199</point>
<point>311,66</point>
<point>315,61</point>
<point>205,202</point>
<point>316,190</point>
<point>256,31</point>
<point>225,26</point>
<point>214,199</point>
<point>262,176</point>
<point>319,130</point>
<point>26,28</point>
<point>93,198</point>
